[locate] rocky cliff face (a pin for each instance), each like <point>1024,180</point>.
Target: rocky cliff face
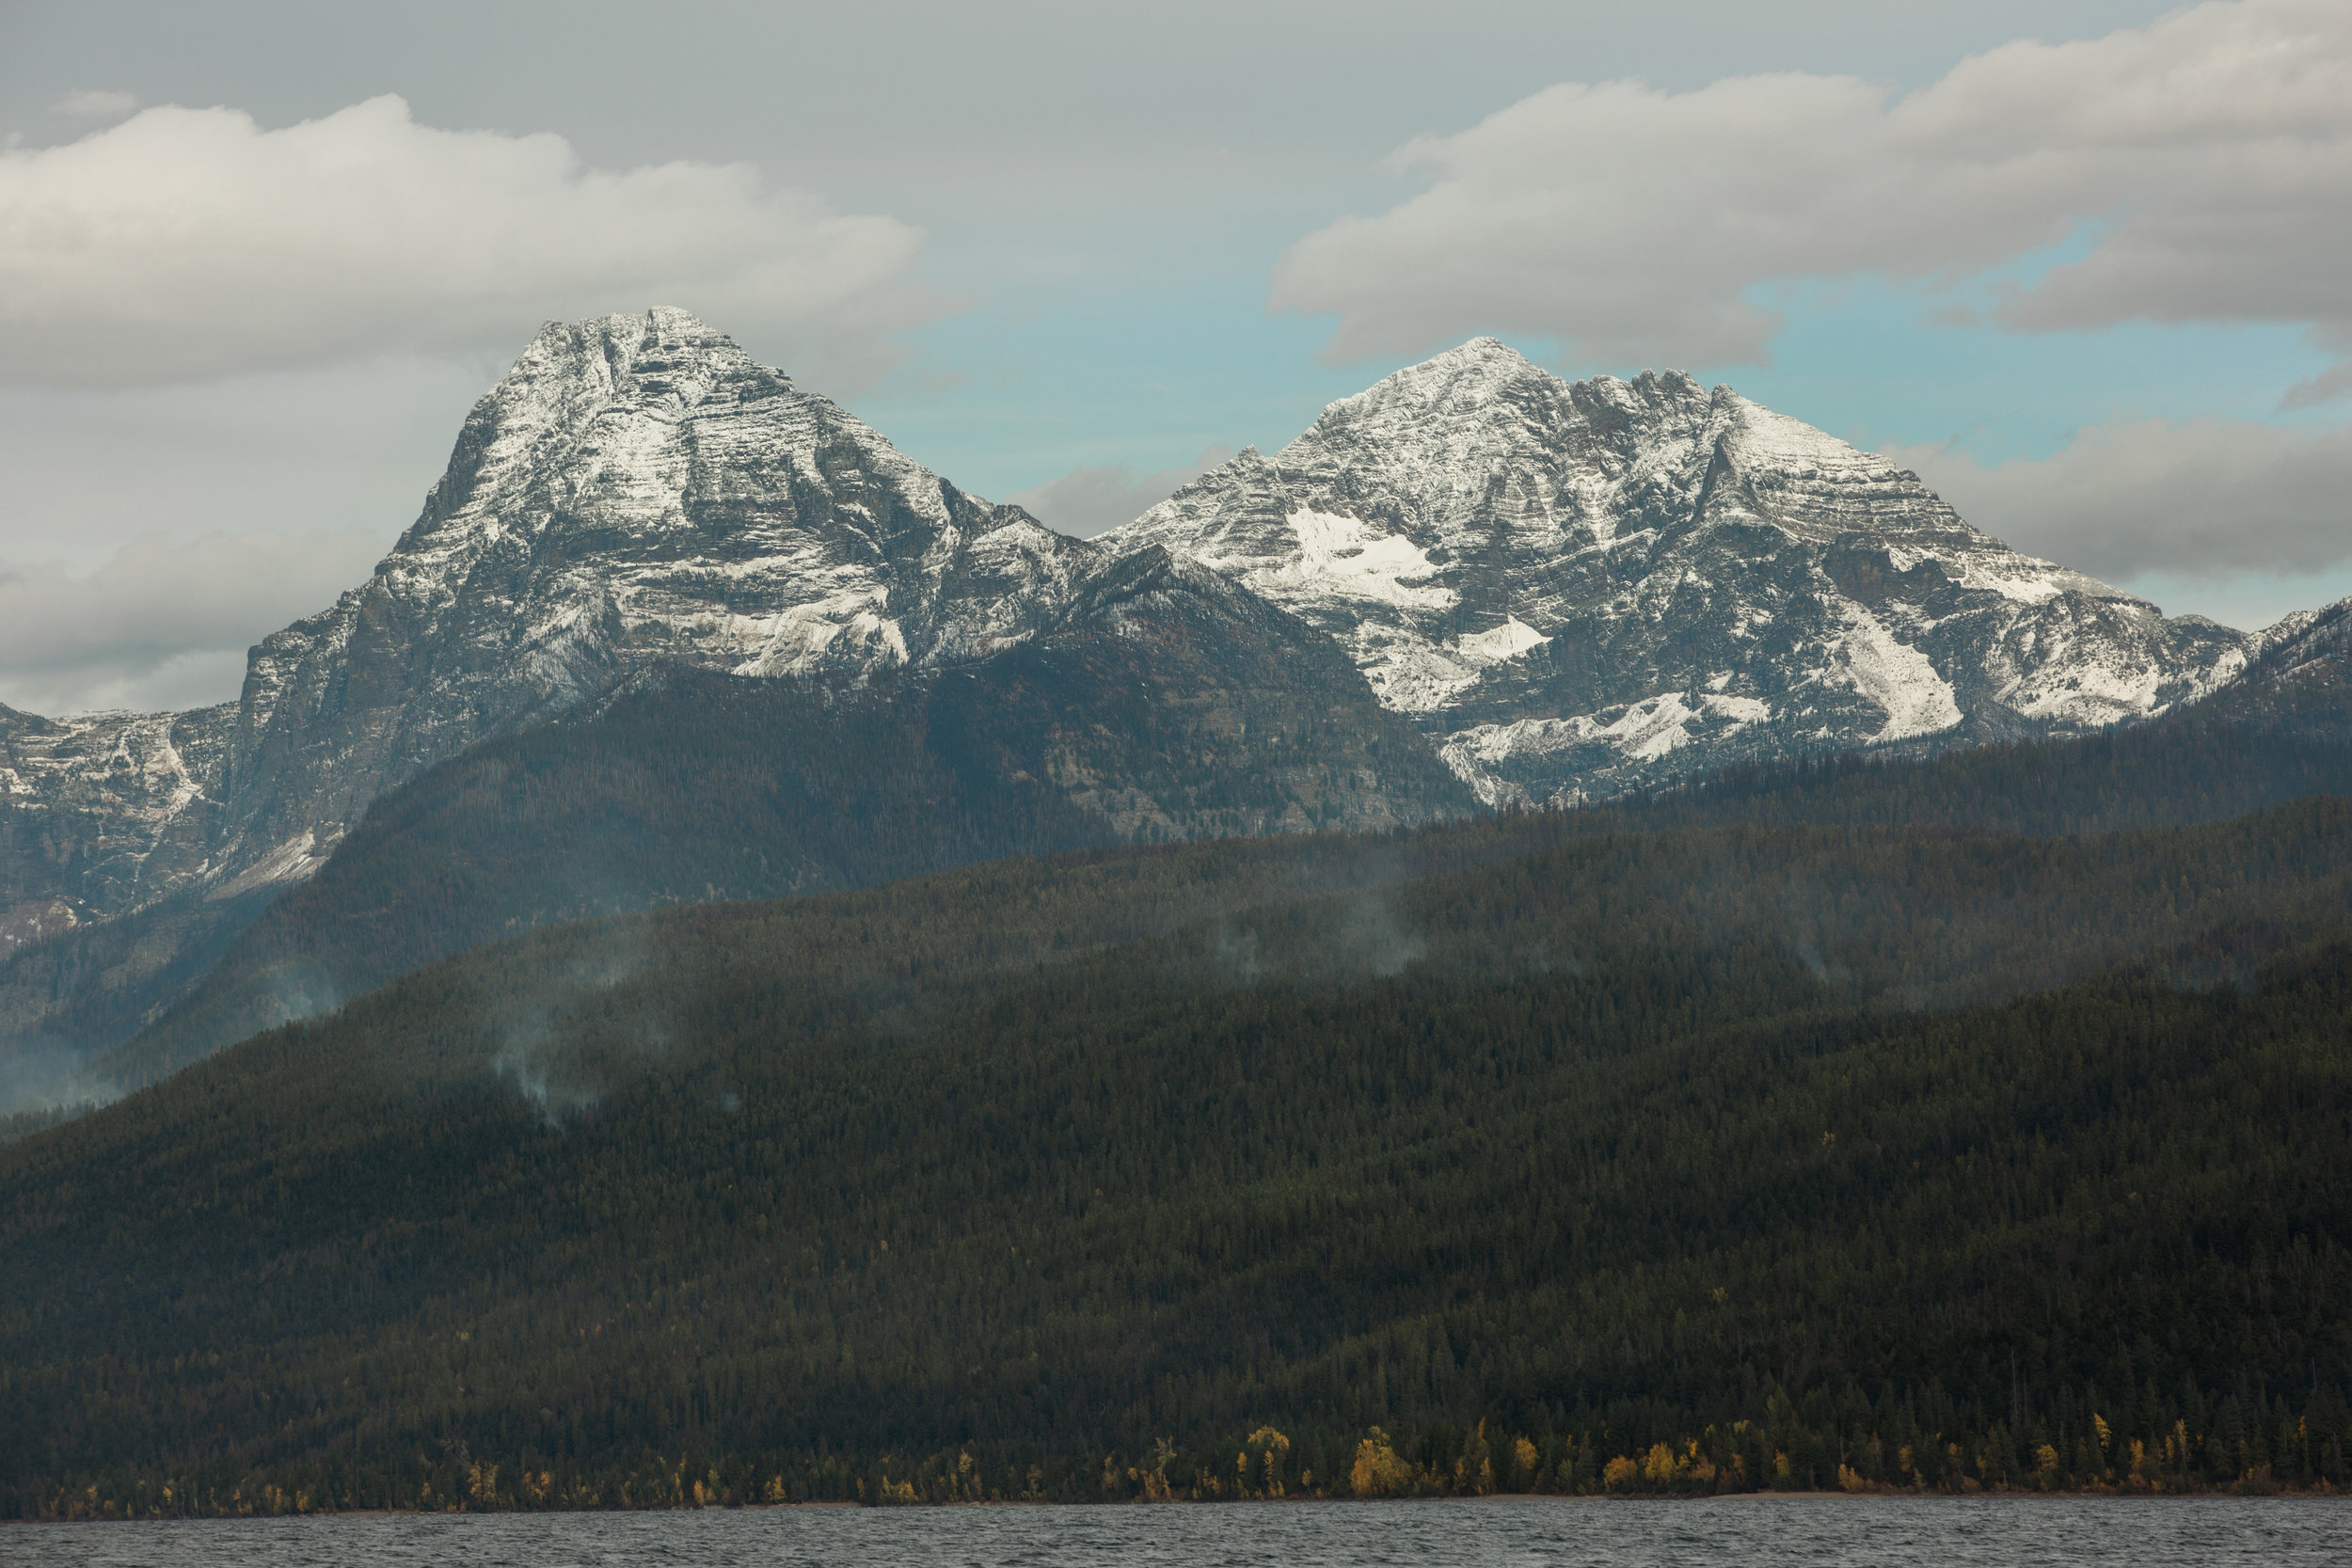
<point>1170,703</point>
<point>103,813</point>
<point>1578,589</point>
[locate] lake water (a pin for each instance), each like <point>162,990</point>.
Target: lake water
<point>1498,1533</point>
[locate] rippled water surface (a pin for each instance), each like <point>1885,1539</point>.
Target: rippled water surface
<point>1945,1533</point>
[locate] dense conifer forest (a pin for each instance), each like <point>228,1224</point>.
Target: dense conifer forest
<point>1557,1151</point>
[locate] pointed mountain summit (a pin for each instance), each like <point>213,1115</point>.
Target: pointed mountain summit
<point>636,496</point>
<point>1581,588</point>
<point>636,493</point>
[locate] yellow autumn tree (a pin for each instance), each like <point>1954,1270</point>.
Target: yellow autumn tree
<point>2045,1467</point>
<point>1271,1450</point>
<point>1154,1473</point>
<point>1378,1471</point>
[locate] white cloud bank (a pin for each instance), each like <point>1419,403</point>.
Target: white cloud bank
<point>185,244</point>
<point>2205,160</point>
<point>96,104</point>
<point>1089,498</point>
<point>163,624</point>
<point>2201,500</point>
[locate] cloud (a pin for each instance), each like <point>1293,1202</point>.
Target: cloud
<point>2205,161</point>
<point>1086,500</point>
<point>2201,500</point>
<point>185,244</point>
<point>92,103</point>
<point>2330,384</point>
<point>162,625</point>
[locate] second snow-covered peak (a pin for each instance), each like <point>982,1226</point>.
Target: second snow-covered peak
<point>1524,561</point>
<point>1479,439</point>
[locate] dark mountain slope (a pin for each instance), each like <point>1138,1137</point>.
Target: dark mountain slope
<point>1608,1144</point>
<point>678,797</point>
<point>1170,705</point>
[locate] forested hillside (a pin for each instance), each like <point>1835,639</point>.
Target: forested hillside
<point>1172,722</point>
<point>1678,1160</point>
<point>715,788</point>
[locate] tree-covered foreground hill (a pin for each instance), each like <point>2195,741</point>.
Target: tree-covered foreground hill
<point>1506,1154</point>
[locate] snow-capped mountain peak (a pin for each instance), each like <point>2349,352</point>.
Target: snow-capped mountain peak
<point>635,493</point>
<point>1580,587</point>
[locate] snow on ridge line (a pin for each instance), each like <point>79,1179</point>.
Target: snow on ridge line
<point>1650,727</point>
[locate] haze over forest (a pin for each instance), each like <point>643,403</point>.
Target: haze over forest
<point>1566,752</point>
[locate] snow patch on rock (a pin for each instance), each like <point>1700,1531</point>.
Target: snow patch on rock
<point>1507,642</point>
<point>1345,557</point>
<point>1898,678</point>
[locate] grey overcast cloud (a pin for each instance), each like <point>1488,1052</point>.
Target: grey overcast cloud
<point>2080,264</point>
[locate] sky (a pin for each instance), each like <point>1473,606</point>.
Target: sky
<point>2081,265</point>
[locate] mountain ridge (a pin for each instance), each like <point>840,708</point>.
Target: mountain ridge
<point>637,491</point>
<point>1569,591</point>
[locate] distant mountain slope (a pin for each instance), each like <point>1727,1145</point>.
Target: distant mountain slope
<point>636,493</point>
<point>726,789</point>
<point>2304,663</point>
<point>1581,589</point>
<point>1168,704</point>
<point>103,813</point>
<point>2280,732</point>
